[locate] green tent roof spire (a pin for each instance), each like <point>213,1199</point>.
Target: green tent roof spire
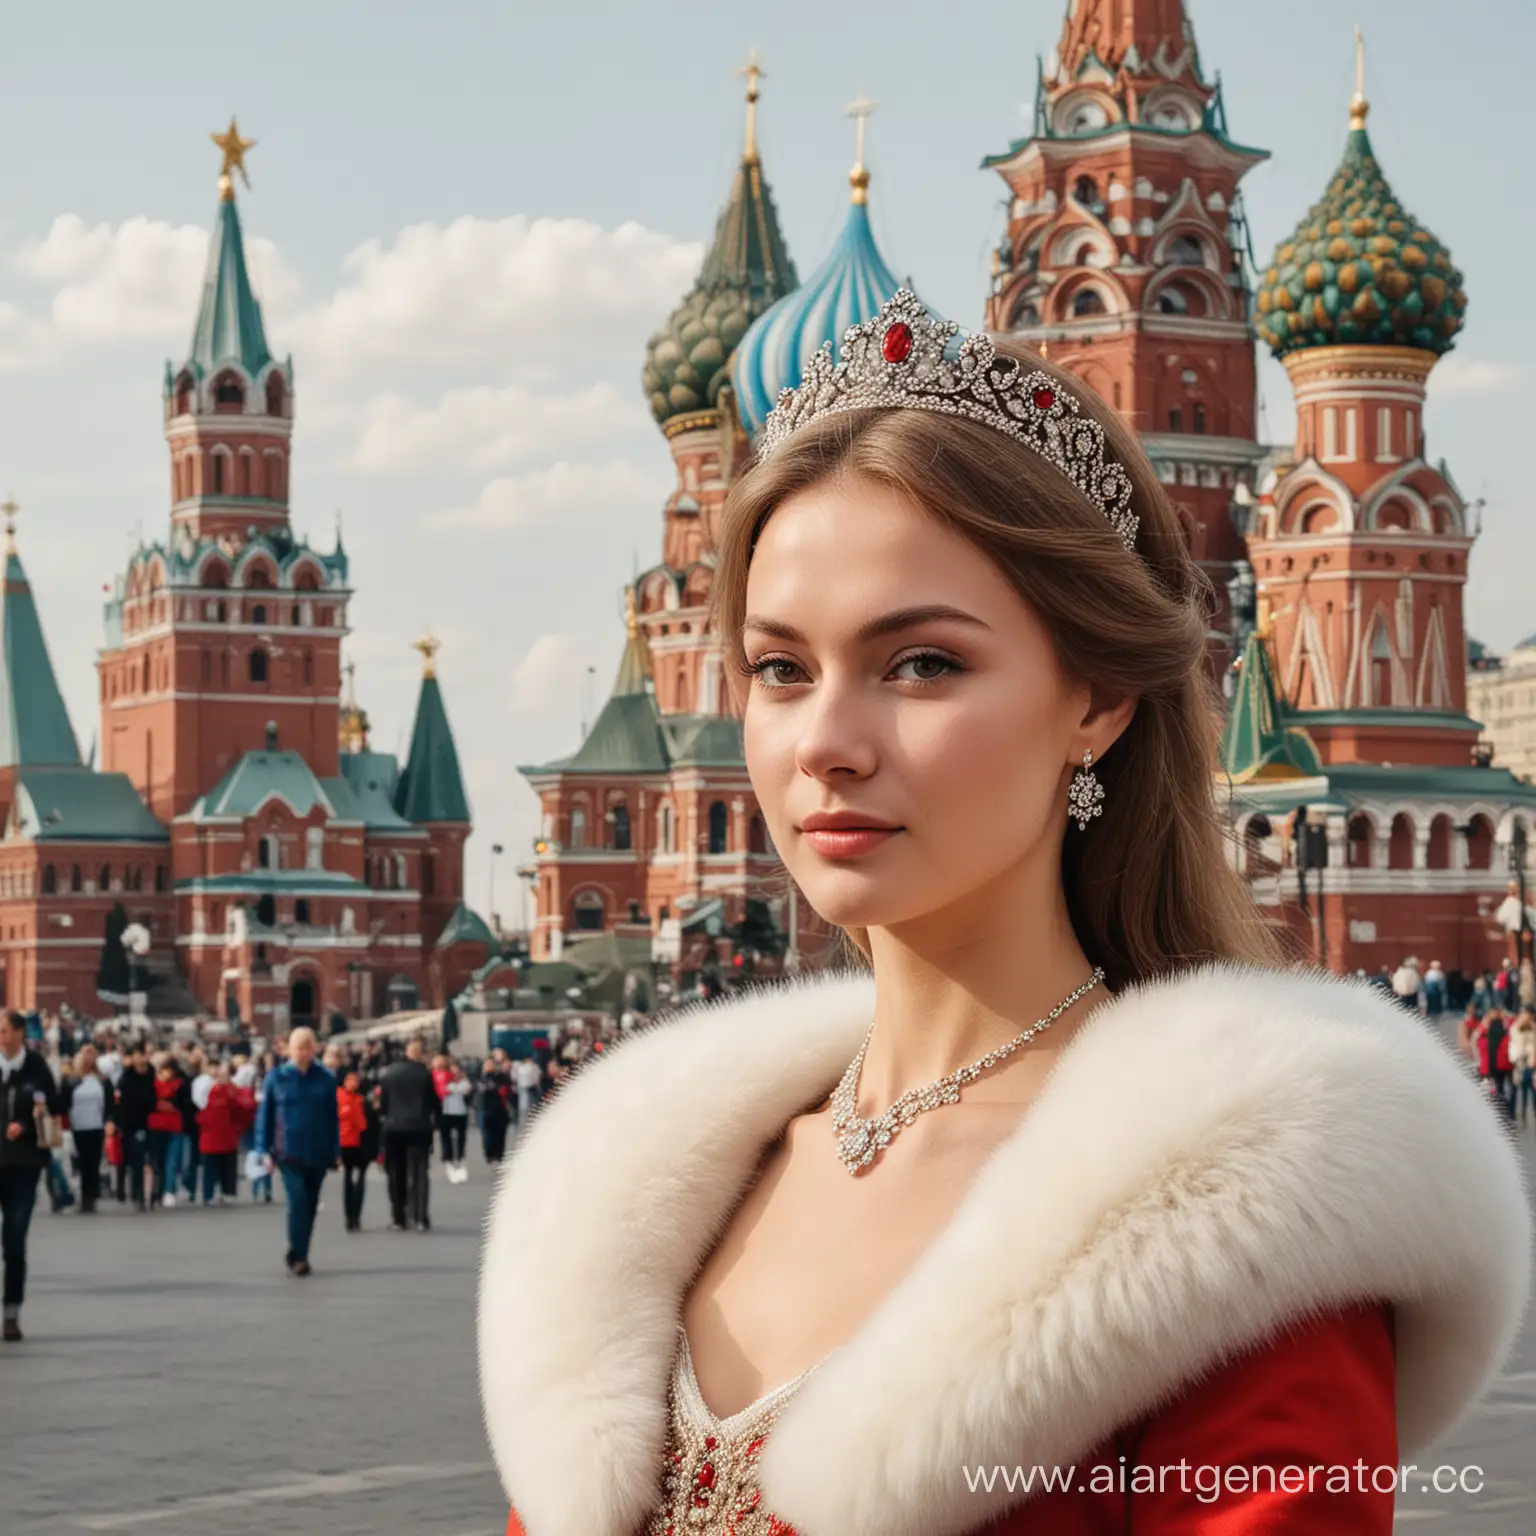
<point>229,326</point>
<point>1257,742</point>
<point>431,788</point>
<point>34,725</point>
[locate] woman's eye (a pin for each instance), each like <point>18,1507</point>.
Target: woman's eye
<point>929,666</point>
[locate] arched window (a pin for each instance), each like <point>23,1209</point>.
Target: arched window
<point>258,613</point>
<point>266,911</point>
<point>620,815</point>
<point>258,665</point>
<point>1199,416</point>
<point>578,838</point>
<point>1173,300</point>
<point>50,880</point>
<point>228,392</point>
<point>588,909</point>
<point>301,909</point>
<point>1086,190</point>
<point>243,473</point>
<point>1361,840</point>
<point>76,879</point>
<point>1400,850</point>
<point>314,848</point>
<point>1185,251</point>
<point>218,473</point>
<point>666,829</point>
<point>1087,301</point>
<point>717,826</point>
<point>269,852</point>
<point>1175,418</point>
<point>402,872</point>
<point>159,877</point>
<point>105,881</point>
<point>1480,844</point>
<point>1439,852</point>
<point>275,394</point>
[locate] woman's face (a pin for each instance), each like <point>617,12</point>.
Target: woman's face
<point>959,729</point>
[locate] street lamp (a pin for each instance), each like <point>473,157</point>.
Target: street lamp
<point>1517,852</point>
<point>496,852</point>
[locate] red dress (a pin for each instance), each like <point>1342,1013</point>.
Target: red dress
<point>1322,1395</point>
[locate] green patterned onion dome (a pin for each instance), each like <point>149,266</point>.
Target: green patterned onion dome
<point>747,269</point>
<point>1360,269</point>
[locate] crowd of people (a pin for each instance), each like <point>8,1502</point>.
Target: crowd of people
<point>96,1116</point>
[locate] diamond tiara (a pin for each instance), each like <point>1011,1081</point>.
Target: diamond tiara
<point>901,359</point>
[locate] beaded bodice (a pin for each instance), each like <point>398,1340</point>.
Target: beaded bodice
<point>709,1465</point>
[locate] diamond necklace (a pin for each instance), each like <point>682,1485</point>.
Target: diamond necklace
<point>860,1141</point>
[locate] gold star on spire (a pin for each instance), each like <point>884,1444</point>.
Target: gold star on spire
<point>234,148</point>
<point>9,508</point>
<point>429,645</point>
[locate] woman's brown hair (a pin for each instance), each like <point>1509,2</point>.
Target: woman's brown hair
<point>1148,885</point>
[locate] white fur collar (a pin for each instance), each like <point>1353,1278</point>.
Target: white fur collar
<point>1245,1147</point>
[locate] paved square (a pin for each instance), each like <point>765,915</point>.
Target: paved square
<point>175,1380</point>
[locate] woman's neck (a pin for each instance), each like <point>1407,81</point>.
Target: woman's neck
<point>966,980</point>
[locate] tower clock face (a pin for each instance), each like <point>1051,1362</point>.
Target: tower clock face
<point>1081,114</point>
<point>1174,112</point>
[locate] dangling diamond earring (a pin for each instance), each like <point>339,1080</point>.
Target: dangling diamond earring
<point>1086,794</point>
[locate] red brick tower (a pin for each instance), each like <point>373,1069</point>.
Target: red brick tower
<point>1124,254</point>
<point>233,623</point>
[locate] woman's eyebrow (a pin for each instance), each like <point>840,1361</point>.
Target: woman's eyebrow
<point>871,629</point>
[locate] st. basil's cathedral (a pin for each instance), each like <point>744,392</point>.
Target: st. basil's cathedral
<point>1370,821</point>
<point>283,870</point>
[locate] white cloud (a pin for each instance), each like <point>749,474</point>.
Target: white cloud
<point>1470,376</point>
<point>549,671</point>
<point>137,281</point>
<point>484,428</point>
<point>573,493</point>
<point>529,293</point>
<point>24,341</point>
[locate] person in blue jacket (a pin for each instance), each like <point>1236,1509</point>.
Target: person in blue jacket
<point>298,1133</point>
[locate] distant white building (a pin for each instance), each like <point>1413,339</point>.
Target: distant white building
<point>1501,693</point>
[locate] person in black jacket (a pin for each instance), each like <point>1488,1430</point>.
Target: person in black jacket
<point>495,1104</point>
<point>135,1104</point>
<point>410,1111</point>
<point>27,1089</point>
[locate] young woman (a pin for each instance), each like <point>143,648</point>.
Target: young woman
<point>90,1107</point>
<point>1073,1183</point>
<point>453,1091</point>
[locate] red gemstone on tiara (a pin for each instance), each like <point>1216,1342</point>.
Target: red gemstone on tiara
<point>1045,398</point>
<point>897,344</point>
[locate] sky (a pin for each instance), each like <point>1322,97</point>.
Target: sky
<point>466,217</point>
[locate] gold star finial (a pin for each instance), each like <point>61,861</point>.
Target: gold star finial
<point>9,508</point>
<point>1359,107</point>
<point>234,148</point>
<point>754,71</point>
<point>429,645</point>
<point>859,110</point>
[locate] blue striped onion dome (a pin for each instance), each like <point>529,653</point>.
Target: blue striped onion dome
<point>848,288</point>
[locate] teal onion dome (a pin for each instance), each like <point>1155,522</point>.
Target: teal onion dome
<point>1360,269</point>
<point>848,288</point>
<point>747,269</point>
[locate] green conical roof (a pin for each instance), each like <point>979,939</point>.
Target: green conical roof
<point>1360,269</point>
<point>432,788</point>
<point>1257,742</point>
<point>229,327</point>
<point>34,725</point>
<point>747,269</point>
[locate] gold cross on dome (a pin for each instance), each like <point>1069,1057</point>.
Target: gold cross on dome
<point>859,110</point>
<point>753,71</point>
<point>234,148</point>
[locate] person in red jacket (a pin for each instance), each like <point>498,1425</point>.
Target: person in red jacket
<point>226,1117</point>
<point>359,1120</point>
<point>165,1124</point>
